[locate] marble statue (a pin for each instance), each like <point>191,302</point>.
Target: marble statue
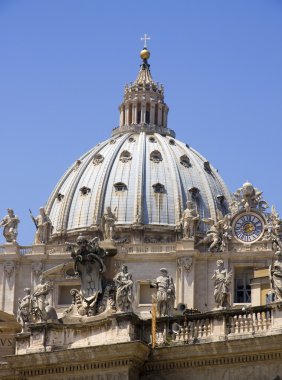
<point>24,313</point>
<point>89,264</point>
<point>10,224</point>
<point>222,279</point>
<point>248,197</point>
<point>219,233</point>
<point>275,275</point>
<point>273,230</point>
<point>43,227</point>
<point>165,293</point>
<point>39,302</point>
<point>124,284</point>
<point>189,221</point>
<point>108,223</point>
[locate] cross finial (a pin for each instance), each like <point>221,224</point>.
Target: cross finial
<point>145,38</point>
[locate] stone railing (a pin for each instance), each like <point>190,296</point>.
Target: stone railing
<point>148,248</point>
<point>226,324</point>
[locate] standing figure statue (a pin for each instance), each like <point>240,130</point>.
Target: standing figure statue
<point>189,221</point>
<point>89,264</point>
<point>43,227</point>
<point>10,224</point>
<point>222,279</point>
<point>275,275</point>
<point>124,284</point>
<point>108,223</point>
<point>24,313</point>
<point>165,293</point>
<point>39,302</point>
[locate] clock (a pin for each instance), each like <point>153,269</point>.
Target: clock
<point>248,227</point>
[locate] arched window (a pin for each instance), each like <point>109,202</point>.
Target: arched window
<point>60,197</point>
<point>172,142</point>
<point>84,190</point>
<point>130,114</point>
<point>98,159</point>
<point>156,156</point>
<point>158,188</point>
<point>207,167</point>
<point>147,118</point>
<point>194,191</point>
<point>138,113</point>
<point>125,156</point>
<point>185,161</point>
<point>120,186</point>
<point>152,139</point>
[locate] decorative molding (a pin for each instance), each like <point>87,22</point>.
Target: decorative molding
<point>9,268</point>
<point>37,269</point>
<point>185,263</point>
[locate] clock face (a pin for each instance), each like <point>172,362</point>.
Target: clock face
<point>248,227</point>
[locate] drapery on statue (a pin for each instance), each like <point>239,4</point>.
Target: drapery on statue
<point>108,224</point>
<point>24,313</point>
<point>10,224</point>
<point>89,264</point>
<point>165,293</point>
<point>189,221</point>
<point>222,279</point>
<point>219,234</point>
<point>39,303</point>
<point>275,276</point>
<point>124,284</point>
<point>43,226</point>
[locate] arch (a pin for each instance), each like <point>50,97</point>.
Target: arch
<point>158,188</point>
<point>125,156</point>
<point>98,159</point>
<point>156,156</point>
<point>185,161</point>
<point>120,186</point>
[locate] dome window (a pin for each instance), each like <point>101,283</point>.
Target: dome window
<point>172,142</point>
<point>152,139</point>
<point>113,141</point>
<point>77,164</point>
<point>131,139</point>
<point>207,167</point>
<point>187,146</point>
<point>156,156</point>
<point>60,197</point>
<point>98,159</point>
<point>84,190</point>
<point>125,156</point>
<point>185,161</point>
<point>194,191</point>
<point>158,188</point>
<point>221,198</point>
<point>120,186</point>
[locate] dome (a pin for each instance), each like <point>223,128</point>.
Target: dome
<point>143,173</point>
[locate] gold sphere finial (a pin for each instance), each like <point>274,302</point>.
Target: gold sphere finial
<point>145,54</point>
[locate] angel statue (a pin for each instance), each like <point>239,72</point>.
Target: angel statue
<point>219,234</point>
<point>10,226</point>
<point>248,197</point>
<point>222,279</point>
<point>189,221</point>
<point>108,223</point>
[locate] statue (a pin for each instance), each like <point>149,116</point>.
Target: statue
<point>189,221</point>
<point>124,284</point>
<point>24,313</point>
<point>248,197</point>
<point>89,264</point>
<point>219,234</point>
<point>275,276</point>
<point>39,303</point>
<point>43,226</point>
<point>222,279</point>
<point>165,293</point>
<point>108,224</point>
<point>10,224</point>
<point>273,230</point>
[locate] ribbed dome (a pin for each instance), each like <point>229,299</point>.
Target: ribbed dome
<point>142,173</point>
<point>144,178</point>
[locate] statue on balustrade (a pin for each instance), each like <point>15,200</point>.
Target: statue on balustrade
<point>222,279</point>
<point>43,226</point>
<point>189,221</point>
<point>275,275</point>
<point>108,224</point>
<point>24,313</point>
<point>88,259</point>
<point>10,226</point>
<point>39,303</point>
<point>124,284</point>
<point>165,293</point>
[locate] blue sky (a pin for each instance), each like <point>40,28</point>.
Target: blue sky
<point>64,64</point>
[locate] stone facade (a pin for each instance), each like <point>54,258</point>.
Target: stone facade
<point>88,301</point>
